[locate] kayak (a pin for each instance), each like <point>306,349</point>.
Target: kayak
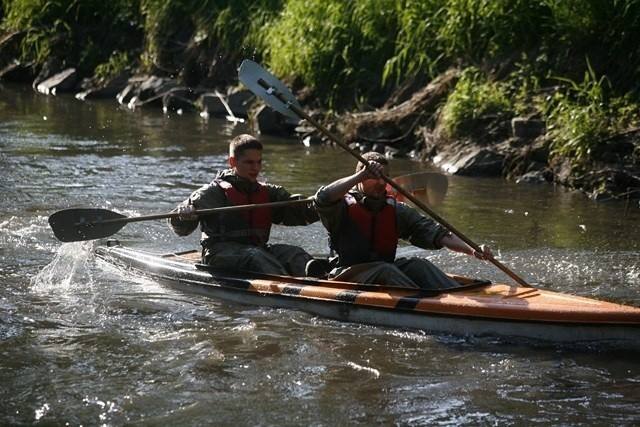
<point>477,308</point>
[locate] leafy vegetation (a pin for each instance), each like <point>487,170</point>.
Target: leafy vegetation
<point>433,35</point>
<point>117,64</point>
<point>337,47</point>
<point>573,63</point>
<point>79,33</point>
<point>188,39</point>
<point>577,118</point>
<point>473,98</point>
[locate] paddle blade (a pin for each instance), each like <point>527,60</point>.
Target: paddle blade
<point>267,87</point>
<point>74,225</point>
<point>428,187</point>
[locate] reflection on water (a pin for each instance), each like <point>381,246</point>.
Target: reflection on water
<point>83,344</point>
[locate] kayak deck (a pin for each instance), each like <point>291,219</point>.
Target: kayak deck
<point>476,308</point>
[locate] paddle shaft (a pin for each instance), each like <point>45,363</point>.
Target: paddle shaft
<point>388,180</point>
<point>201,212</point>
<point>74,225</point>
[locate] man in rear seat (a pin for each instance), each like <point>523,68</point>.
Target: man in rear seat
<point>365,225</point>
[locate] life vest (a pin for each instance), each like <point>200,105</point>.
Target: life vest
<point>249,226</point>
<point>366,236</point>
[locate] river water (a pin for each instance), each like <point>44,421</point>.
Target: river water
<point>83,344</point>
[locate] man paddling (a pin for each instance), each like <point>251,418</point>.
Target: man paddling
<point>240,239</point>
<point>365,225</point>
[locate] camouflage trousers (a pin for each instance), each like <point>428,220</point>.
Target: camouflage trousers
<point>272,259</point>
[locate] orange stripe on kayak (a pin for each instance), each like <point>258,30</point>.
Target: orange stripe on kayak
<point>380,299</point>
<point>498,301</point>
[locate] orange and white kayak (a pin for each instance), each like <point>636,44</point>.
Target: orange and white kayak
<point>477,308</point>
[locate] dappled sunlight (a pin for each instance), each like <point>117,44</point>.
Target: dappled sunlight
<point>608,275</point>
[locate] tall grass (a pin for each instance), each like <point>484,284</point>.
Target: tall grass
<point>91,33</point>
<point>344,48</point>
<point>218,27</point>
<point>337,47</point>
<point>606,32</point>
<point>353,52</point>
<point>580,119</point>
<point>473,99</point>
<point>80,33</point>
<point>436,34</point>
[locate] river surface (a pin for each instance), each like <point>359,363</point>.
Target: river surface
<point>84,344</point>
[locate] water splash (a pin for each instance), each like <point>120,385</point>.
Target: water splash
<point>68,270</point>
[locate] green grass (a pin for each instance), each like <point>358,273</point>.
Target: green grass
<point>574,63</point>
<point>473,99</point>
<point>336,47</point>
<point>80,33</point>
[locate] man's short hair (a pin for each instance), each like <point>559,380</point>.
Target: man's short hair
<point>372,156</point>
<point>242,143</point>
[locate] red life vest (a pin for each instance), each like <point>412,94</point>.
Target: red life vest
<point>249,226</point>
<point>366,236</point>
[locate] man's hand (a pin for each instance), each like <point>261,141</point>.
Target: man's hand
<point>187,213</point>
<point>486,253</point>
<point>455,243</point>
<point>372,171</point>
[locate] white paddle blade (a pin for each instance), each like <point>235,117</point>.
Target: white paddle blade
<point>268,88</point>
<point>428,187</point>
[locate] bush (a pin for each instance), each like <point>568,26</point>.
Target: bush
<point>79,33</point>
<point>336,47</point>
<point>473,99</point>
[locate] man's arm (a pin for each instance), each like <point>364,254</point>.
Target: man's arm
<point>206,197</point>
<point>296,214</point>
<point>425,233</point>
<point>183,225</point>
<point>338,188</point>
<point>417,229</point>
<point>455,243</point>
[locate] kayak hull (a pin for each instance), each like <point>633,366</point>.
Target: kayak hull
<point>476,309</point>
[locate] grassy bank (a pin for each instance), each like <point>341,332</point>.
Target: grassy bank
<point>574,64</point>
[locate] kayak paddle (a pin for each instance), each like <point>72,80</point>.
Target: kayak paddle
<point>74,225</point>
<point>279,97</point>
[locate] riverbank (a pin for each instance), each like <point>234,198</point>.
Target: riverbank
<point>502,99</point>
<point>516,149</point>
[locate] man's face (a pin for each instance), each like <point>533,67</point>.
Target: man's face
<point>248,165</point>
<point>375,187</point>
